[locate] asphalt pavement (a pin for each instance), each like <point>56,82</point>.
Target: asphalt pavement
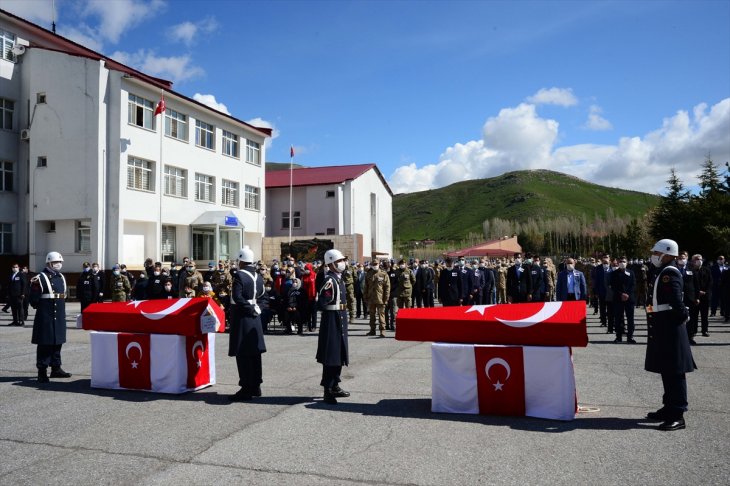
<point>66,432</point>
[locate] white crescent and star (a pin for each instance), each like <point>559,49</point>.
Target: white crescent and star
<point>156,316</point>
<point>548,310</point>
<point>198,344</point>
<point>501,362</point>
<point>132,345</point>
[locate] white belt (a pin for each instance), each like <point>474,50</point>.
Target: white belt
<point>53,296</point>
<point>662,307</point>
<point>339,307</point>
<point>252,301</point>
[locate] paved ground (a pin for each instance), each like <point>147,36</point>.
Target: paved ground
<point>68,433</point>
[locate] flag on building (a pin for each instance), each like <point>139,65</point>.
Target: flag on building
<point>160,108</point>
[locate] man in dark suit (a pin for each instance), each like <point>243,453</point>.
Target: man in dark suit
<point>622,283</point>
<point>571,285</point>
<point>424,285</point>
<point>689,287</point>
<point>599,280</point>
<point>537,282</point>
<point>16,295</point>
<point>449,285</point>
<point>717,271</point>
<point>702,304</point>
<point>519,283</point>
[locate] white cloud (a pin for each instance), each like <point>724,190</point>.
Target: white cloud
<point>209,100</point>
<point>115,17</point>
<point>188,32</point>
<point>175,68</point>
<point>596,121</point>
<point>38,12</point>
<point>261,123</point>
<point>554,96</point>
<point>82,35</point>
<point>517,138</point>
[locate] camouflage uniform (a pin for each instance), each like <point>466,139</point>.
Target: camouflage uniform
<point>349,279</point>
<point>120,288</point>
<point>377,292</point>
<point>502,285</point>
<point>192,281</point>
<point>406,280</point>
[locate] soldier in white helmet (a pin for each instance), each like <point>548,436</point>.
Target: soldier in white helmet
<point>48,298</point>
<point>332,350</point>
<point>246,338</point>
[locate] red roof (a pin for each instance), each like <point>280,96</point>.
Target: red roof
<point>319,176</point>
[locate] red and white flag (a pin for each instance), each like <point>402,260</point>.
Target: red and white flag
<point>163,363</point>
<point>160,108</point>
<point>530,381</point>
<point>291,151</point>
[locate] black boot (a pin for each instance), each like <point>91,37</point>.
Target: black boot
<point>329,397</point>
<point>42,375</point>
<point>59,373</point>
<point>339,392</point>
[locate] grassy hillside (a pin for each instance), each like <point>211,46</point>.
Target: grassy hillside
<point>451,212</point>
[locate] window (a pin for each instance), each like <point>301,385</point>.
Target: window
<point>51,227</point>
<point>204,188</point>
<point>6,176</point>
<point>40,98</point>
<point>203,244</point>
<point>253,152</point>
<point>6,238</point>
<point>176,181</point>
<point>42,161</point>
<point>7,41</point>
<point>140,175</point>
<point>253,199</point>
<point>285,220</point>
<point>229,193</point>
<point>329,194</point>
<point>330,231</point>
<point>83,237</point>
<point>168,243</point>
<point>6,114</point>
<point>140,112</point>
<point>230,144</point>
<point>204,135</point>
<point>176,125</point>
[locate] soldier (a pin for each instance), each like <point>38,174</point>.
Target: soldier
<point>449,285</point>
<point>349,278</point>
<point>377,292</point>
<point>332,348</point>
<point>191,281</point>
<point>16,295</point>
<point>425,276</point>
<point>549,276</point>
<point>127,274</point>
<point>502,283</point>
<point>622,284</point>
<point>48,297</point>
<point>119,285</point>
<point>537,280</point>
<point>85,286</point>
<point>667,350</point>
<point>222,283</point>
<point>174,278</point>
<point>405,280</point>
<point>208,276</point>
<point>391,307</point>
<point>246,339</point>
<point>156,284</point>
<point>98,283</point>
<point>359,279</point>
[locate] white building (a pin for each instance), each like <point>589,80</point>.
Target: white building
<point>335,200</point>
<point>88,171</point>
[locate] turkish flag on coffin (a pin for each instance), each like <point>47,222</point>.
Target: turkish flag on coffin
<point>163,363</point>
<point>188,317</point>
<point>536,381</point>
<point>538,324</point>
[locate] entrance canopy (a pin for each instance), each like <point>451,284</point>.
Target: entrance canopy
<point>217,235</point>
<point>218,218</point>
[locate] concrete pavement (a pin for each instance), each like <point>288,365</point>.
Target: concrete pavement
<point>66,432</point>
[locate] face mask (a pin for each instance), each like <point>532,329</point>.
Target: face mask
<point>482,265</point>
<point>402,267</point>
<point>605,265</point>
<point>528,261</point>
<point>156,273</point>
<point>57,266</point>
<point>95,269</point>
<point>295,286</point>
<point>207,289</point>
<point>189,269</point>
<point>168,287</point>
<point>268,289</point>
<point>462,263</point>
<point>15,269</point>
<point>116,272</point>
<point>424,265</point>
<point>641,262</point>
<point>306,272</point>
<point>698,263</point>
<point>622,265</point>
<point>340,267</point>
<point>374,267</point>
<point>682,261</point>
<point>570,267</point>
<point>656,260</point>
<point>518,262</point>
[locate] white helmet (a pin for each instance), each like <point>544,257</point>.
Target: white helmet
<point>667,247</point>
<point>245,255</point>
<point>54,256</point>
<point>331,256</point>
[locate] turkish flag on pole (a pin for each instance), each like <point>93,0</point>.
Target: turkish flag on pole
<point>160,108</point>
<point>133,357</point>
<point>291,151</point>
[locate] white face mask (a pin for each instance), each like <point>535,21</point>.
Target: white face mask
<point>340,267</point>
<point>698,263</point>
<point>682,261</point>
<point>116,272</point>
<point>570,267</point>
<point>402,267</point>
<point>622,265</point>
<point>16,269</point>
<point>57,266</point>
<point>207,289</point>
<point>156,273</point>
<point>168,287</point>
<point>518,261</point>
<point>656,260</point>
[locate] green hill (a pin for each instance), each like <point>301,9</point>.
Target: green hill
<point>452,212</point>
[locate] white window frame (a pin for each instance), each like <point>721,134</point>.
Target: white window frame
<point>83,236</point>
<point>253,152</point>
<point>7,179</point>
<point>139,171</point>
<point>176,182</point>
<point>141,107</point>
<point>230,193</point>
<point>7,108</point>
<point>252,198</point>
<point>169,243</point>
<point>296,217</point>
<point>230,144</point>
<point>176,125</point>
<point>205,186</point>
<point>7,41</point>
<point>206,130</point>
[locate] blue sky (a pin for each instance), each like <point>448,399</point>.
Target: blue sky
<point>435,92</point>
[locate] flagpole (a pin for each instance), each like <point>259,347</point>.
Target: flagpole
<point>162,181</point>
<point>291,182</point>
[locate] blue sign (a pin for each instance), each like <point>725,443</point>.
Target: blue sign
<point>231,221</point>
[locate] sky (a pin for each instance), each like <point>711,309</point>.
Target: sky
<point>436,92</point>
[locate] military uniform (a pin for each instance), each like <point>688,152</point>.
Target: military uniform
<point>502,285</point>
<point>349,279</point>
<point>190,283</point>
<point>391,307</point>
<point>120,288</point>
<point>48,298</point>
<point>16,295</point>
<point>377,292</point>
<point>449,286</point>
<point>222,283</point>
<point>405,280</point>
<point>332,346</point>
<point>98,286</point>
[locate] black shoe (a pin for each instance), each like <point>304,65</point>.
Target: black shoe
<point>240,396</point>
<point>660,414</point>
<point>12,324</point>
<point>339,392</point>
<point>59,373</point>
<point>630,341</point>
<point>692,341</point>
<point>618,340</point>
<point>5,310</point>
<point>329,397</point>
<point>672,424</point>
<point>42,376</point>
<point>706,334</point>
<point>256,392</point>
<point>602,325</point>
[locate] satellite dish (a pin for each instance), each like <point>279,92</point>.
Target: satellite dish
<point>18,50</point>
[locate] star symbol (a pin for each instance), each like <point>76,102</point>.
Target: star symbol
<point>200,364</point>
<point>135,303</point>
<point>478,308</point>
<point>498,386</point>
<point>134,364</point>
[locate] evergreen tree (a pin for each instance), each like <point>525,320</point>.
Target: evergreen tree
<point>672,215</point>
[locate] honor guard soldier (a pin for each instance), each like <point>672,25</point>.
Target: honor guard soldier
<point>246,338</point>
<point>48,298</point>
<point>98,283</point>
<point>332,349</point>
<point>667,350</point>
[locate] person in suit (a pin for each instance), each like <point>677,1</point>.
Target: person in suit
<point>571,284</point>
<point>449,284</point>
<point>537,280</point>
<point>600,290</point>
<point>424,285</point>
<point>622,283</point>
<point>667,349</point>
<point>519,283</point>
<point>702,304</point>
<point>689,287</point>
<point>717,271</point>
<point>16,295</point>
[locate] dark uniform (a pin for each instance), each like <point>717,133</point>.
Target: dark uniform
<point>332,349</point>
<point>86,290</point>
<point>667,350</point>
<point>537,282</point>
<point>392,306</point>
<point>689,289</point>
<point>519,284</point>
<point>449,287</point>
<point>48,298</point>
<point>468,286</point>
<point>98,286</point>
<point>701,309</point>
<point>246,339</point>
<point>156,287</point>
<point>623,282</point>
<point>16,295</point>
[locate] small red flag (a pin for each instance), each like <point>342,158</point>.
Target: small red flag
<point>291,151</point>
<point>160,108</point>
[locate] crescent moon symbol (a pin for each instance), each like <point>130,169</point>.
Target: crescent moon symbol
<point>198,344</point>
<point>156,316</point>
<point>548,310</point>
<point>497,361</point>
<point>134,344</point>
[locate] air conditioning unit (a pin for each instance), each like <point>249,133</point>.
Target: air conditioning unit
<point>25,134</point>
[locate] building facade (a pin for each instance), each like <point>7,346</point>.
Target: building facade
<point>91,171</point>
<point>336,200</point>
